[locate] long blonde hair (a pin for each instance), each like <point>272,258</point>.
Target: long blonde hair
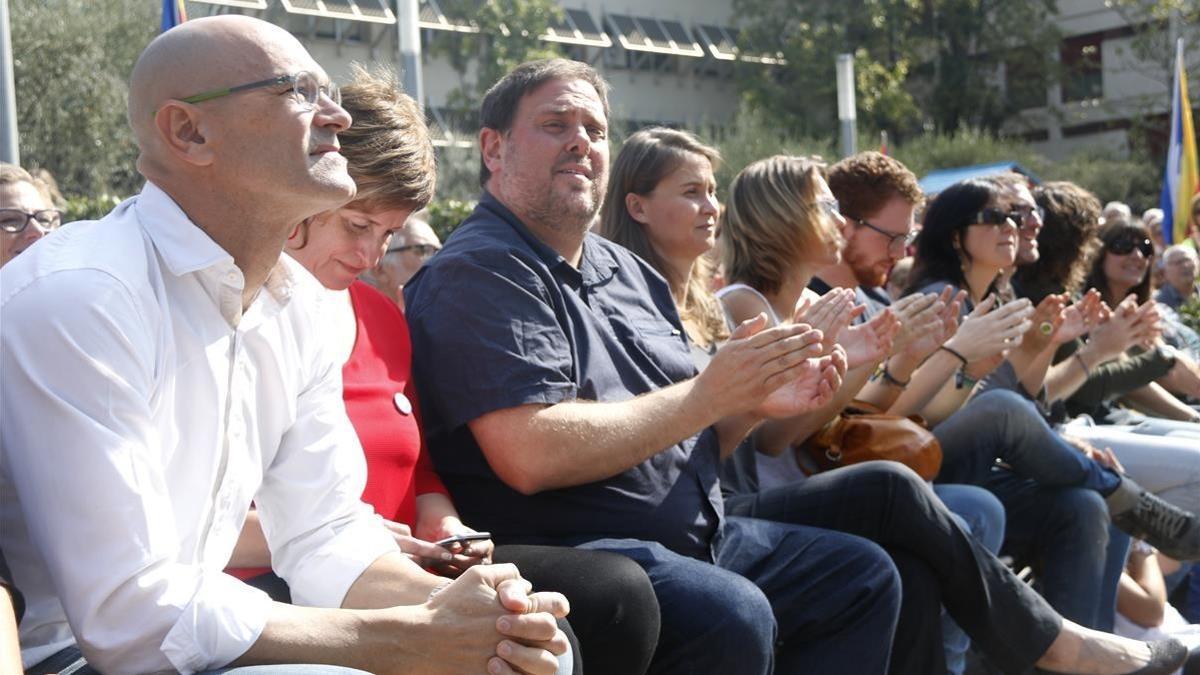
<point>646,158</point>
<point>772,220</point>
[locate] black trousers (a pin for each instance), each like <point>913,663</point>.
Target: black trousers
<point>939,563</point>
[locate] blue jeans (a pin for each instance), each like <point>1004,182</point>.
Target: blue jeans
<point>1064,533</point>
<point>780,598</point>
<point>1001,424</point>
<point>982,515</point>
<point>1192,609</point>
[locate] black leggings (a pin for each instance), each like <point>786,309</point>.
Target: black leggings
<point>613,626</point>
<point>614,612</point>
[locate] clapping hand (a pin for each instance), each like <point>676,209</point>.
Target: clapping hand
<point>829,314</point>
<point>818,381</point>
<point>992,331</point>
<point>943,326</point>
<point>1079,318</point>
<point>870,342</point>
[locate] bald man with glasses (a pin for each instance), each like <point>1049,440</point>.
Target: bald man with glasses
<point>161,368</point>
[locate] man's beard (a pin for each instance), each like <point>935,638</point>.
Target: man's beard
<point>868,276</point>
<point>567,216</point>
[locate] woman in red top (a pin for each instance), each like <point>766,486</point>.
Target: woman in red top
<point>614,612</point>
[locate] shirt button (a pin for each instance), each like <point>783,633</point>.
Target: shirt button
<point>402,403</point>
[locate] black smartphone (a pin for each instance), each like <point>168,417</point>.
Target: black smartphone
<point>463,538</point>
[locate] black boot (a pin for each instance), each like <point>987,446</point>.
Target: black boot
<point>1164,526</point>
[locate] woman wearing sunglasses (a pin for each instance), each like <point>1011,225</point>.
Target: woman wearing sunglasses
<point>1059,501</point>
<point>1120,272</point>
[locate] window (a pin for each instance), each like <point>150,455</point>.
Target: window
<point>1083,67</point>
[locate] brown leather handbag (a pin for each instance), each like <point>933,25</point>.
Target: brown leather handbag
<point>862,433</point>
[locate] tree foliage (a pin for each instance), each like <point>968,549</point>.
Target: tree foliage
<point>920,64</point>
<point>1156,24</point>
<point>508,36</point>
<point>71,63</point>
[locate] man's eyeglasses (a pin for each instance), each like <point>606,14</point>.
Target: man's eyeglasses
<point>305,87</point>
<point>422,250</point>
<point>998,217</point>
<point>898,242</point>
<point>16,220</point>
<point>1126,245</point>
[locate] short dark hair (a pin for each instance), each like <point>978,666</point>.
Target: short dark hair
<point>863,183</point>
<point>500,102</point>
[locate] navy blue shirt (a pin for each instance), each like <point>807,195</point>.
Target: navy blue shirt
<point>498,320</point>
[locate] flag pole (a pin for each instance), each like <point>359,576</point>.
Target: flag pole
<point>10,151</point>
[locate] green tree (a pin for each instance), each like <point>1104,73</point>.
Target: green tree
<point>71,62</point>
<point>1153,40</point>
<point>920,64</point>
<point>508,35</point>
<point>752,136</point>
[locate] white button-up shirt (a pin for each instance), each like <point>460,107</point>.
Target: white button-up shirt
<point>140,413</point>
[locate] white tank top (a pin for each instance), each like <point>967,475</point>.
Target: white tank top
<point>722,292</point>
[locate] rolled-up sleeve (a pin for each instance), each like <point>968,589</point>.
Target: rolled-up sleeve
<point>321,534</point>
<point>85,459</point>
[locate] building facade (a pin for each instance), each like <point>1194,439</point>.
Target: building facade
<point>670,61</point>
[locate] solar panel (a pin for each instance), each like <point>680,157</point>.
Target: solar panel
<point>431,16</point>
<point>719,43</point>
<point>303,6</point>
<point>244,4</point>
<point>656,36</point>
<point>375,11</point>
<point>683,40</point>
<point>627,31</point>
<point>588,28</point>
<point>576,28</point>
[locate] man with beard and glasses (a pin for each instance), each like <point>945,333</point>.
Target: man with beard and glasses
<point>562,407</point>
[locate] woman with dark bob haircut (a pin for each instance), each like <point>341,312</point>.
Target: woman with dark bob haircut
<point>945,250</point>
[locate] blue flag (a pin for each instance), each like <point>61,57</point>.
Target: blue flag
<point>173,14</point>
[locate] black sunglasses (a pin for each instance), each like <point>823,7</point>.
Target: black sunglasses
<point>1126,245</point>
<point>994,216</point>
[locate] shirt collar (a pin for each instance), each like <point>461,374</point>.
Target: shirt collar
<point>595,266</point>
<point>186,249</point>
